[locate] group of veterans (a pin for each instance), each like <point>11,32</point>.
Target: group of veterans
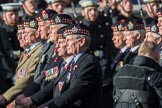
<point>106,58</point>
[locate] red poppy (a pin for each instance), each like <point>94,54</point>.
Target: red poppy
<point>75,67</point>
<point>55,59</point>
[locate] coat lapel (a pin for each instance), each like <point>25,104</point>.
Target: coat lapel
<point>28,55</point>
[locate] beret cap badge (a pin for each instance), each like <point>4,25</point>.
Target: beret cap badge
<point>120,27</point>
<point>75,29</point>
<point>32,24</point>
<point>154,28</point>
<point>130,26</point>
<point>57,19</point>
<point>44,15</point>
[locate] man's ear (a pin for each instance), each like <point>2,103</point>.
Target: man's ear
<point>37,34</point>
<point>83,12</point>
<point>82,41</point>
<point>3,16</point>
<point>158,40</point>
<point>138,36</point>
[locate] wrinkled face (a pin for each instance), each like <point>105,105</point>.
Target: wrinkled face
<point>62,50</point>
<point>21,38</point>
<point>90,13</point>
<point>53,33</point>
<point>127,5</point>
<point>30,6</point>
<point>149,37</point>
<point>151,9</point>
<point>118,39</point>
<point>43,29</point>
<point>30,36</point>
<point>58,7</point>
<point>11,18</point>
<point>72,44</point>
<point>130,39</point>
<point>159,24</point>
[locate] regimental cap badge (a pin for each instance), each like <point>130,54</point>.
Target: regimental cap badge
<point>120,27</point>
<point>32,24</point>
<point>57,19</point>
<point>75,29</point>
<point>154,28</point>
<point>130,26</point>
<point>44,15</point>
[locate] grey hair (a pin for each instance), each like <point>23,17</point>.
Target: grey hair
<point>88,39</point>
<point>142,32</point>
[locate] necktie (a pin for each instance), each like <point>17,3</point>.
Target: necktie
<point>62,66</point>
<point>72,65</point>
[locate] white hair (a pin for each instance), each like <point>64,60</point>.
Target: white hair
<point>87,38</point>
<point>141,31</point>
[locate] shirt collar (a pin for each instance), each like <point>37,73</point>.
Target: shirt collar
<point>78,56</point>
<point>68,60</point>
<point>134,48</point>
<point>124,49</point>
<point>34,45</point>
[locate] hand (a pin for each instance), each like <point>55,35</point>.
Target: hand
<point>27,101</point>
<point>19,99</point>
<point>2,100</point>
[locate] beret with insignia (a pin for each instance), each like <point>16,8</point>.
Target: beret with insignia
<point>60,32</point>
<point>118,26</point>
<point>152,28</point>
<point>32,23</point>
<point>76,29</point>
<point>20,25</point>
<point>61,19</point>
<point>131,25</point>
<point>45,15</point>
<point>88,3</point>
<point>54,1</point>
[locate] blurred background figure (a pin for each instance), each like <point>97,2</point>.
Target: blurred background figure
<point>151,7</point>
<point>9,43</point>
<point>56,5</point>
<point>29,7</point>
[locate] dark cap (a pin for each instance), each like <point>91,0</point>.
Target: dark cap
<point>45,15</point>
<point>32,23</point>
<point>152,28</point>
<point>61,19</point>
<point>131,25</point>
<point>60,32</point>
<point>76,29</point>
<point>118,26</point>
<point>20,25</point>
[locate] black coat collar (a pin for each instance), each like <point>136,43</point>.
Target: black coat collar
<point>146,61</point>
